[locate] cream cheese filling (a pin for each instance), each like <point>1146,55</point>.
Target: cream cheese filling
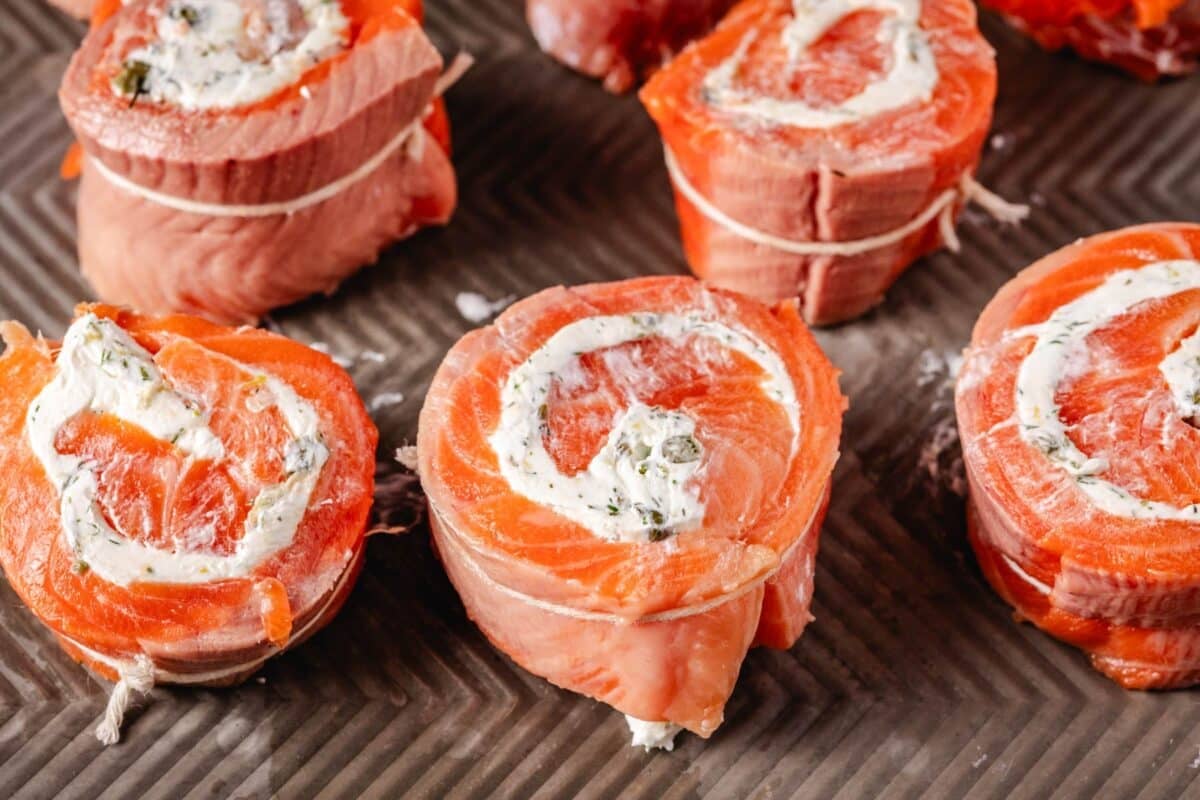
<point>912,77</point>
<point>1061,345</point>
<point>101,368</point>
<point>640,486</point>
<point>205,56</point>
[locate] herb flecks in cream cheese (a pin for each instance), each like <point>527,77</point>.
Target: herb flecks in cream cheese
<point>640,486</point>
<point>1061,343</point>
<point>214,54</point>
<point>101,368</point>
<point>913,75</point>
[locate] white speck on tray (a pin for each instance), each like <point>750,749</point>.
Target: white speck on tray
<point>384,400</point>
<point>474,307</point>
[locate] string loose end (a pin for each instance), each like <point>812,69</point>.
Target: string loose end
<point>1001,209</point>
<point>139,679</point>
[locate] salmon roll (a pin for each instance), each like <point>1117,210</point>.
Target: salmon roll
<point>1077,405</point>
<point>181,500</point>
<point>240,155</point>
<point>818,148</point>
<point>626,484</point>
<point>619,41</point>
<point>1150,38</point>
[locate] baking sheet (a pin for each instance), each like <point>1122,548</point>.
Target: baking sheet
<point>914,680</point>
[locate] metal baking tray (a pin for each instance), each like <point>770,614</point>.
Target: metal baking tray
<point>914,680</point>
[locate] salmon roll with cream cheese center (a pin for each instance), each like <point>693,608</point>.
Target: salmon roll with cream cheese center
<point>240,155</point>
<point>1150,38</point>
<point>819,147</point>
<point>1078,403</point>
<point>626,484</point>
<point>182,500</point>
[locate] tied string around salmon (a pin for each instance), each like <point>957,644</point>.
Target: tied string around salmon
<point>942,209</point>
<point>139,675</point>
<point>466,558</point>
<point>412,137</point>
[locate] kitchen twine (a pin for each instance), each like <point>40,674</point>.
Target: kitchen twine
<point>600,616</point>
<point>968,190</point>
<point>412,135</point>
<point>139,675</point>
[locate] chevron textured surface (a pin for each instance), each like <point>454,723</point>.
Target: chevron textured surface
<point>914,681</point>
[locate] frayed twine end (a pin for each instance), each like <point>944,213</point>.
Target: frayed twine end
<point>139,679</point>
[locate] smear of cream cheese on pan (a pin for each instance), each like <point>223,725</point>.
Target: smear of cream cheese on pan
<point>212,54</point>
<point>913,75</point>
<point>639,486</point>
<point>101,368</point>
<point>1061,342</point>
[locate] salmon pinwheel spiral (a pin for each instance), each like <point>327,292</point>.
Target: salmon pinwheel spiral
<point>626,484</point>
<point>1078,405</point>
<point>240,155</point>
<point>619,41</point>
<point>1150,38</point>
<point>818,147</point>
<point>183,500</point>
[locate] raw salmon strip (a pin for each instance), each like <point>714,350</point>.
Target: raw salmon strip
<point>818,149</point>
<point>626,484</point>
<point>1150,38</point>
<point>619,41</point>
<point>242,154</point>
<point>1077,407</point>
<point>181,500</point>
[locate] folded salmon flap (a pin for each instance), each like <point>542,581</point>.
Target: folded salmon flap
<point>796,133</point>
<point>191,494</point>
<point>1076,412</point>
<point>289,169</point>
<point>633,457</point>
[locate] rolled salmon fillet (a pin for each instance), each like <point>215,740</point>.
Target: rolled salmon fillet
<point>241,155</point>
<point>818,148</point>
<point>1077,406</point>
<point>620,41</point>
<point>626,484</point>
<point>182,500</point>
<point>1151,38</point>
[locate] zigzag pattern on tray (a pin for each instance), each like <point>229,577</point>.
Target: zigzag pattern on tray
<point>914,681</point>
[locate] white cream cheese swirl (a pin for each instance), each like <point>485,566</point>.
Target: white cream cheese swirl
<point>640,486</point>
<point>912,77</point>
<point>212,54</point>
<point>1061,343</point>
<point>101,368</point>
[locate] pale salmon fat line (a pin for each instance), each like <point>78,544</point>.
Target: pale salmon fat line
<point>216,54</point>
<point>640,485</point>
<point>912,78</point>
<point>101,368</point>
<point>1061,343</point>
